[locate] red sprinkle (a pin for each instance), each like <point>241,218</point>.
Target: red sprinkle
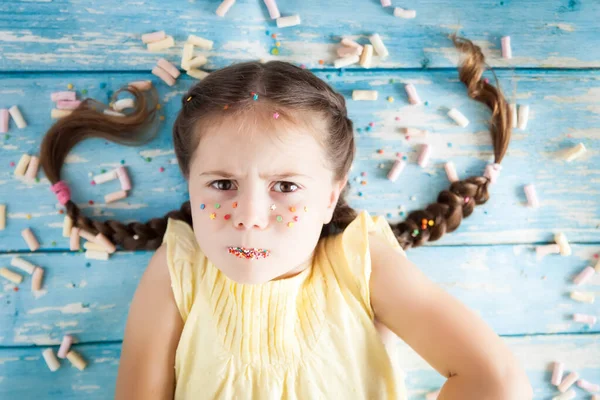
<point>296,218</point>
<point>61,211</point>
<point>397,118</point>
<point>486,80</point>
<point>12,164</point>
<point>596,255</point>
<point>371,124</point>
<point>398,154</point>
<point>93,182</point>
<point>16,289</point>
<point>363,174</point>
<point>227,216</point>
<point>91,202</point>
<point>380,151</point>
<point>161,169</point>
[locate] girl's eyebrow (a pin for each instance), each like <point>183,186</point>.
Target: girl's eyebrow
<point>283,175</point>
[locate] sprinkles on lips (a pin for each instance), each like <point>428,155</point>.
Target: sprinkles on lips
<point>249,254</point>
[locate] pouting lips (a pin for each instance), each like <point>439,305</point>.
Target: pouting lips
<point>251,253</point>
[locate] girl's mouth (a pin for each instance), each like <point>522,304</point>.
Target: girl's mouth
<point>249,253</point>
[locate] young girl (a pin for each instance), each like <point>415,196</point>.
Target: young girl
<point>266,284</point>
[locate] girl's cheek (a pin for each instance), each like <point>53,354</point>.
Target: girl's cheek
<point>286,215</point>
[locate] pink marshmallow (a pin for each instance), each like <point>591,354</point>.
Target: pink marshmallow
<point>164,75</point>
<point>413,96</point>
<point>124,178</point>
<point>65,346</point>
<point>590,387</point>
<point>584,275</point>
<point>56,96</point>
<point>506,50</point>
<point>396,170</point>
<point>424,155</point>
<point>153,37</point>
<point>170,68</point>
<point>67,104</point>
<point>557,373</point>
<point>4,117</point>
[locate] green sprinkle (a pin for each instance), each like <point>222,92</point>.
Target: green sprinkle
<point>217,205</point>
<point>102,171</point>
<point>37,180</point>
<point>391,80</point>
<point>53,243</point>
<point>84,91</point>
<point>148,159</point>
<point>279,218</point>
<point>122,162</point>
<point>6,137</point>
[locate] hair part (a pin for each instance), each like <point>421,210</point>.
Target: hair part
<point>290,91</point>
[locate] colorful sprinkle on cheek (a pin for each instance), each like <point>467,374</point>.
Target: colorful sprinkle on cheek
<point>202,206</point>
<point>213,216</point>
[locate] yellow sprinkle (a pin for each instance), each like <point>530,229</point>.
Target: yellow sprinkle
<point>28,216</point>
<point>290,224</point>
<point>277,44</point>
<point>390,99</point>
<point>158,106</point>
<point>305,209</point>
<point>293,209</point>
<point>213,216</point>
<point>70,86</point>
<point>274,51</point>
<point>162,117</point>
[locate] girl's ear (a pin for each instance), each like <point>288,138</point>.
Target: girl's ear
<point>333,199</point>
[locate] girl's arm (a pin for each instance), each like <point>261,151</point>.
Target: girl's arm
<point>154,325</point>
<point>442,330</point>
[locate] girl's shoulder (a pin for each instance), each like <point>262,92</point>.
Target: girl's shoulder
<point>348,253</point>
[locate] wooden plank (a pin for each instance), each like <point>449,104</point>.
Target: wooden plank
<point>106,35</point>
<point>506,285</point>
<point>565,110</point>
<point>20,366</point>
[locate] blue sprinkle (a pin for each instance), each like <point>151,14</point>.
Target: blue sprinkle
<point>268,33</point>
<point>360,194</point>
<point>405,158</point>
<point>449,144</point>
<point>88,265</point>
<point>341,73</point>
<point>401,213</point>
<point>426,103</point>
<point>102,85</point>
<point>328,76</point>
<point>202,206</point>
<point>389,215</point>
<point>359,130</point>
<point>368,128</point>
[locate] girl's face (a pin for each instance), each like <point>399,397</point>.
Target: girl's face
<point>260,199</point>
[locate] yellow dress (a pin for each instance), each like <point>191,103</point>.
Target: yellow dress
<point>310,336</point>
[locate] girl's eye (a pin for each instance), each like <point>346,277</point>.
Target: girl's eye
<point>221,185</point>
<point>292,187</point>
<point>285,187</point>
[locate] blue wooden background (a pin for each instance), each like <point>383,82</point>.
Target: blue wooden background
<point>489,262</point>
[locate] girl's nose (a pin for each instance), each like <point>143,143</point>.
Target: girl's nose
<point>251,212</point>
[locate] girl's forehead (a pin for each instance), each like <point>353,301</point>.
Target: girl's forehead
<point>235,145</point>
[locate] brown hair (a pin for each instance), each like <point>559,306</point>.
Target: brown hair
<point>291,90</point>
